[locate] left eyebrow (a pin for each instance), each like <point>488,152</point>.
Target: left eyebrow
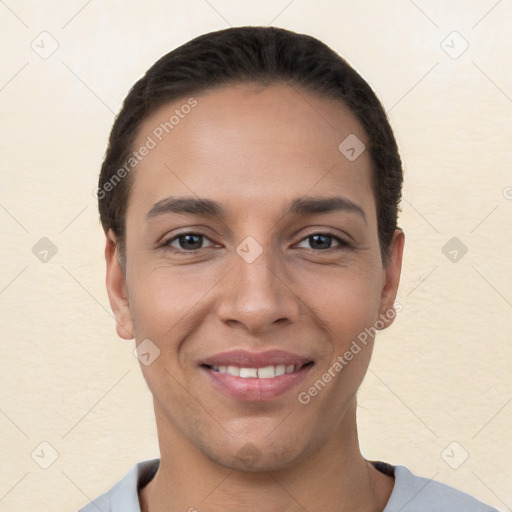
<point>308,205</point>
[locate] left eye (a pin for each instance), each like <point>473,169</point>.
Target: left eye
<point>322,241</point>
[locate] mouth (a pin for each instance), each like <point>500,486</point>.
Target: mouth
<point>265,372</point>
<point>255,377</point>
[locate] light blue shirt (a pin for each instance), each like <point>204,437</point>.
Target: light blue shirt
<point>411,493</point>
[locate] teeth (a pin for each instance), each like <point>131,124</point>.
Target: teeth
<point>248,372</point>
<point>267,372</point>
<point>280,369</point>
<point>232,370</point>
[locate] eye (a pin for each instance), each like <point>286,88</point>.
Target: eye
<point>187,242</point>
<point>322,241</point>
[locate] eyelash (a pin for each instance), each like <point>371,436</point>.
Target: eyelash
<point>343,244</point>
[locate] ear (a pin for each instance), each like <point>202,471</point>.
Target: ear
<point>391,274</point>
<point>116,288</point>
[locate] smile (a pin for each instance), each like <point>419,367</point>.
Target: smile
<point>247,375</point>
<point>267,372</point>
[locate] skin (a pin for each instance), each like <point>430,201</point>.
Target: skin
<point>253,150</point>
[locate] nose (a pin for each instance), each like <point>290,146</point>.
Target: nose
<point>257,295</point>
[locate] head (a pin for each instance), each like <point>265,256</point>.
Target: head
<point>249,195</point>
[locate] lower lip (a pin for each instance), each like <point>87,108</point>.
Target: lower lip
<point>255,390</point>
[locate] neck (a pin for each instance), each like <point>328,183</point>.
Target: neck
<point>335,478</point>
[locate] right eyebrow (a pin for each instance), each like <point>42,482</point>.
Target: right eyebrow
<point>189,205</point>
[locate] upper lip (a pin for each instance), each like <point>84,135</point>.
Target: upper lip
<point>247,359</point>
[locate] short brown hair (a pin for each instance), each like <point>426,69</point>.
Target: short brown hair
<point>252,54</point>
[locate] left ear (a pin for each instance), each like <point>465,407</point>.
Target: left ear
<point>392,273</point>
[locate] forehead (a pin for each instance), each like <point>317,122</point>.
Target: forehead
<point>249,144</point>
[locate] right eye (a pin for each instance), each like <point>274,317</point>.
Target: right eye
<point>187,242</point>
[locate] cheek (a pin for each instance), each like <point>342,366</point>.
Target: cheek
<point>346,303</point>
<point>352,312</point>
<point>162,298</point>
<point>347,309</point>
<point>166,305</point>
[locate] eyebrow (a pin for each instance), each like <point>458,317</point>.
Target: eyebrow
<point>305,205</point>
<point>209,208</point>
<point>190,205</point>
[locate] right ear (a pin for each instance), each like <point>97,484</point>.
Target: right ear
<point>116,288</point>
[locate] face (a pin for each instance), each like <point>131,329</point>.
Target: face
<point>251,242</point>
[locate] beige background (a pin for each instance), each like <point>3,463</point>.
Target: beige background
<point>441,374</point>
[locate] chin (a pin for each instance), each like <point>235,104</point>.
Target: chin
<point>256,458</point>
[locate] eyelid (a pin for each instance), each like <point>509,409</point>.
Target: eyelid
<point>167,241</point>
<point>342,243</point>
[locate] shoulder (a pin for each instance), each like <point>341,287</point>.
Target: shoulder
<point>123,496</point>
<point>413,493</point>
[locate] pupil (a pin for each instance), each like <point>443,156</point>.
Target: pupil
<point>320,241</point>
<point>190,241</point>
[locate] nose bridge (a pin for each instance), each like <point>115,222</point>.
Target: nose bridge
<point>256,295</point>
<point>257,278</point>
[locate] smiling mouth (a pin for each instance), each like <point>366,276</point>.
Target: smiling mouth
<point>265,372</point>
<point>251,376</point>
